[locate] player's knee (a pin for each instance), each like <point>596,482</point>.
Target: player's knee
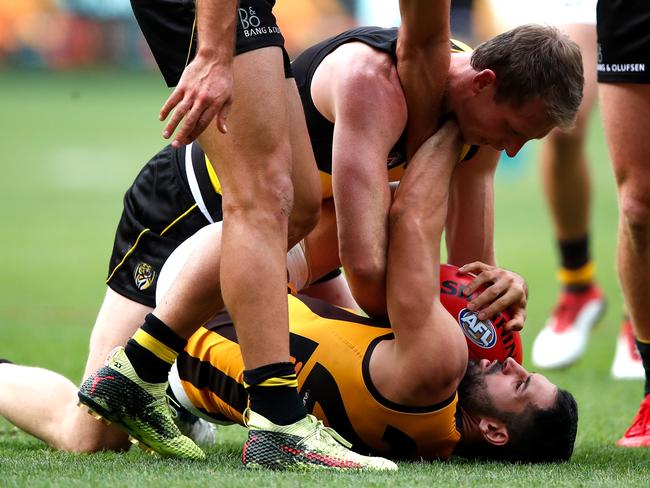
<point>304,217</point>
<point>79,442</point>
<point>364,266</point>
<point>635,211</point>
<point>567,141</point>
<point>269,202</point>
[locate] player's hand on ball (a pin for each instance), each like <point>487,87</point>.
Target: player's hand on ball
<point>504,289</point>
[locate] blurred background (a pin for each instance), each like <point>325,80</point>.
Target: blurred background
<point>72,34</point>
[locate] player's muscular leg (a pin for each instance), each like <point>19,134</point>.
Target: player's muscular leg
<point>564,165</point>
<point>44,403</point>
<point>253,164</point>
<point>626,115</point>
<point>307,193</point>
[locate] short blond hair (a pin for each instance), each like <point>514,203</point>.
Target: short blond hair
<point>535,61</point>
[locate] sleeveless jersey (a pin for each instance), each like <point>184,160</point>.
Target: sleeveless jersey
<point>331,349</point>
<point>321,130</point>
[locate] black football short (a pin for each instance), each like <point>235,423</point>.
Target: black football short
<point>623,41</point>
<point>159,213</point>
<point>170,30</point>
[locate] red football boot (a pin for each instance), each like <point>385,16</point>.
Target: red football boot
<point>638,435</point>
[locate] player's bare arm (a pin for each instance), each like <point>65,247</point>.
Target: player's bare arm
<point>423,59</point>
<point>205,88</point>
<point>470,238</point>
<point>359,91</point>
<point>469,232</point>
<point>424,331</point>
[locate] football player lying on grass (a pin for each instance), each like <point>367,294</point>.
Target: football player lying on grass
<point>402,389</point>
<point>388,388</point>
<point>24,389</point>
<point>174,196</point>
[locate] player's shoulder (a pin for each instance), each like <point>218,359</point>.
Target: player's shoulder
<point>357,62</point>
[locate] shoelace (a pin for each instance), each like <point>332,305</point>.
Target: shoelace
<point>328,433</point>
<point>173,410</point>
<point>164,403</point>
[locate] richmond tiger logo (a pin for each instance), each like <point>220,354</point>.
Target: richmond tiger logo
<point>144,276</point>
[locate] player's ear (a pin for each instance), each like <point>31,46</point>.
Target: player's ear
<point>494,431</point>
<point>483,79</point>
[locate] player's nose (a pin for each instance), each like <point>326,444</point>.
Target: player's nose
<point>510,366</point>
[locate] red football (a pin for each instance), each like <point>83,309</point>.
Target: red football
<point>486,339</point>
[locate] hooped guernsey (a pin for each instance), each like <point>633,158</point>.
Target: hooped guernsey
<point>331,349</point>
<point>321,130</point>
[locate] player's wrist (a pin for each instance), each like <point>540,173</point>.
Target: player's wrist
<point>216,55</point>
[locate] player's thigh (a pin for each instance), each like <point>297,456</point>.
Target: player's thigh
<point>117,320</point>
<point>585,36</point>
<point>625,109</point>
<point>253,160</point>
<point>307,192</point>
<point>570,141</point>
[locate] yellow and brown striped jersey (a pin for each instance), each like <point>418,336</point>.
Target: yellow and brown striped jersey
<point>331,349</point>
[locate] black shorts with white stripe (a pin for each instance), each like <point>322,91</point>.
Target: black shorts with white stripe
<point>169,26</point>
<point>171,198</point>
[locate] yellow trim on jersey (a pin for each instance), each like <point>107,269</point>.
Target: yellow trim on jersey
<point>177,219</point>
<point>464,48</point>
<point>214,179</point>
<point>578,276</point>
<point>464,152</point>
<point>137,241</point>
<point>149,342</point>
<point>128,253</point>
<point>394,174</point>
<point>290,381</point>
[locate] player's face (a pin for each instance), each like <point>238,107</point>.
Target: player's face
<point>513,388</point>
<point>492,388</point>
<point>502,126</point>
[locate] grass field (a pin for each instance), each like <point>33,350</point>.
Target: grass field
<point>72,143</point>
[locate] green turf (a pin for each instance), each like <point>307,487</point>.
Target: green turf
<point>72,143</point>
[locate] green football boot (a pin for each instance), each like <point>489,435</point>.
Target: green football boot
<point>304,445</point>
<point>115,394</point>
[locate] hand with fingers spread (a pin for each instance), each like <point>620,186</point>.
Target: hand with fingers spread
<point>504,290</point>
<point>203,93</point>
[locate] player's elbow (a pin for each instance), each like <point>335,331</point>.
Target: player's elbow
<point>363,265</point>
<point>410,215</point>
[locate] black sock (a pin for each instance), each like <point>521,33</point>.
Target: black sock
<point>644,352</point>
<point>574,255</point>
<point>6,361</point>
<point>273,393</point>
<point>153,349</point>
